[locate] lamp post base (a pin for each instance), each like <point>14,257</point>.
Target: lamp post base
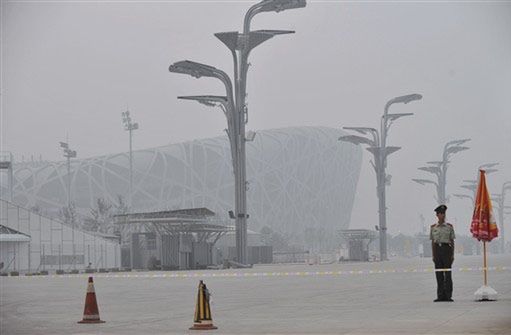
<point>485,293</point>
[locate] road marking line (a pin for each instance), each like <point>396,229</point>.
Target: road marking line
<point>272,274</point>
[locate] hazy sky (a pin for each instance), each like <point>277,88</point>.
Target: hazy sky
<point>72,67</point>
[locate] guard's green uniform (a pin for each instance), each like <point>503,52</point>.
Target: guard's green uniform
<point>442,237</point>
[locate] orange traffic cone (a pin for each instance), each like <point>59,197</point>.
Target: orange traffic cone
<point>91,311</point>
<point>202,319</point>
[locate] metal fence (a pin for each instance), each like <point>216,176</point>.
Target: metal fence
<point>53,244</point>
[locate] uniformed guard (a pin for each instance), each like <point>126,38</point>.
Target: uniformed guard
<point>442,244</point>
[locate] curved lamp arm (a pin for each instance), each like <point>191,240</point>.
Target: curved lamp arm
<point>365,130</point>
<point>269,6</point>
<point>198,70</point>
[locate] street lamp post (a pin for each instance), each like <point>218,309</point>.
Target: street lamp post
<point>68,154</point>
<point>501,207</point>
<point>439,169</point>
<point>130,127</point>
<point>234,102</point>
<point>377,146</point>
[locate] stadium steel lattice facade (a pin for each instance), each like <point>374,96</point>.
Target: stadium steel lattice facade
<point>297,177</point>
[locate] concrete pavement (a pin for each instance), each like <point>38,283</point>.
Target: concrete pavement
<point>350,298</point>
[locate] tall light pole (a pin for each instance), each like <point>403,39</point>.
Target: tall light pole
<point>234,102</point>
<point>68,154</point>
<point>130,127</point>
<point>499,200</point>
<point>439,169</point>
<point>377,146</point>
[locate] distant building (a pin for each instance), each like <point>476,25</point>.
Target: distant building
<point>297,178</point>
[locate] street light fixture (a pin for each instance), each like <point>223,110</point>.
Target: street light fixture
<point>435,163</point>
<point>208,100</point>
<point>403,99</point>
<point>198,70</point>
<point>455,149</point>
<point>377,146</point>
<point>464,196</point>
<point>383,152</point>
<point>439,168</point>
<point>234,105</point>
<point>395,116</point>
<point>488,165</point>
<point>357,140</point>
<point>424,181</point>
<point>488,168</point>
<point>431,169</point>
<point>279,5</point>
<point>471,184</point>
<point>130,127</point>
<point>458,142</point>
<point>193,69</point>
<point>365,131</point>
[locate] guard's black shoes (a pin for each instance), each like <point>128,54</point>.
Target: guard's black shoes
<point>438,300</point>
<point>449,300</point>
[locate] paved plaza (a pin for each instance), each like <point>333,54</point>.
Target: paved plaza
<point>393,297</point>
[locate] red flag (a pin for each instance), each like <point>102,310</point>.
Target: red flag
<point>484,226</point>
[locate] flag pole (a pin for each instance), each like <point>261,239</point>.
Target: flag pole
<point>485,268</point>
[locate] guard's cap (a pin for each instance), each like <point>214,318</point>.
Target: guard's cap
<point>441,209</point>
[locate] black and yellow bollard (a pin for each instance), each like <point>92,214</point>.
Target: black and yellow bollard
<point>202,319</point>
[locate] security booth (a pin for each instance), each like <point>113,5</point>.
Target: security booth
<point>172,240</point>
<point>14,249</point>
<point>358,241</point>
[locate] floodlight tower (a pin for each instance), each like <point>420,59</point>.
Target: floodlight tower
<point>68,154</point>
<point>130,127</point>
<point>234,104</point>
<point>377,146</point>
<point>439,169</point>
